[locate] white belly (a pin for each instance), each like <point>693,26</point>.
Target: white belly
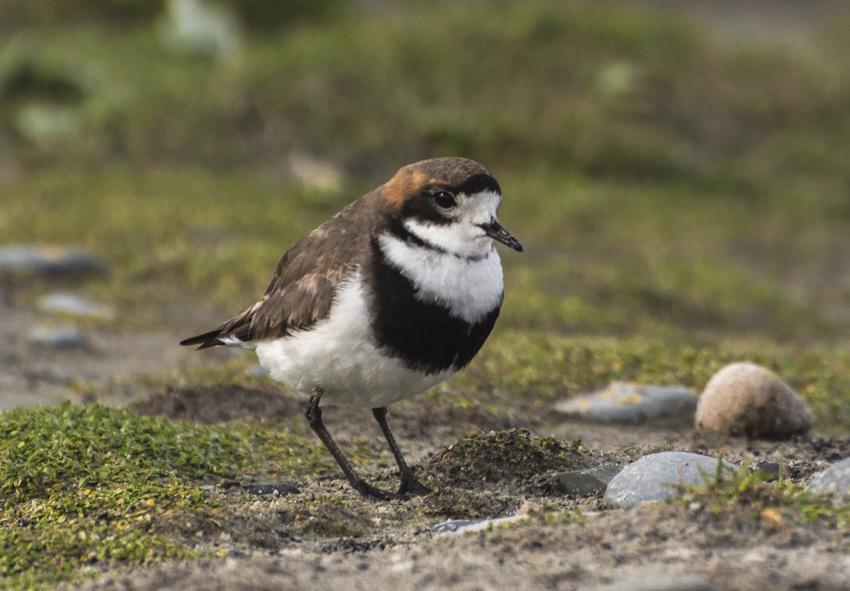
<point>337,355</point>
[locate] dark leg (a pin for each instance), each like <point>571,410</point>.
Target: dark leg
<point>409,484</point>
<point>314,419</point>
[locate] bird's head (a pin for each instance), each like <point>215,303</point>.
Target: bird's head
<point>449,203</point>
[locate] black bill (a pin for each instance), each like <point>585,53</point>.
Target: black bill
<point>497,232</point>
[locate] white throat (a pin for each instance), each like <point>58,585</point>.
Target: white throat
<point>468,288</point>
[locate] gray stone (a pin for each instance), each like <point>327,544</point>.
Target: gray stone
<point>59,337</point>
<point>661,582</point>
<point>585,482</point>
<point>626,403</point>
<point>767,468</point>
<point>650,478</point>
<point>457,527</point>
<point>745,399</point>
<point>451,526</point>
<point>68,303</point>
<point>47,262</point>
<point>835,481</point>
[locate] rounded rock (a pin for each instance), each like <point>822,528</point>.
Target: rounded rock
<point>61,337</point>
<point>745,399</point>
<point>834,481</point>
<point>654,477</point>
<point>633,404</point>
<point>73,305</point>
<point>48,262</point>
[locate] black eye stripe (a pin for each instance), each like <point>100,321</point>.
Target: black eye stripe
<point>479,183</point>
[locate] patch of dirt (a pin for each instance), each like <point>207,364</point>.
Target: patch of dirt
<point>512,461</point>
<point>419,429</point>
<point>220,403</point>
<point>185,525</point>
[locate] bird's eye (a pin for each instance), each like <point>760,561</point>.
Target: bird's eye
<point>445,199</point>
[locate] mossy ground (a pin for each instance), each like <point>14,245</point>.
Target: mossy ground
<point>87,484</point>
<point>682,200</point>
<point>748,495</point>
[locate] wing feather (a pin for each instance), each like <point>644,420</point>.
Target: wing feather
<point>303,288</point>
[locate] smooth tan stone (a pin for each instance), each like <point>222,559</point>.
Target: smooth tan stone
<point>745,399</point>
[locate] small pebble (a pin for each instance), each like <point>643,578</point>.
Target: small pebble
<point>650,478</point>
<point>48,262</point>
<point>68,303</point>
<point>662,582</point>
<point>585,482</point>
<point>766,467</point>
<point>745,399</point>
<point>452,525</point>
<point>457,527</point>
<point>59,337</point>
<point>627,403</point>
<point>835,481</point>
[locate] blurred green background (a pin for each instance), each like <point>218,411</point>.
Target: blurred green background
<point>678,185</point>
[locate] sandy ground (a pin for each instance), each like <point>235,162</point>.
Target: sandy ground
<point>33,373</point>
<point>617,547</point>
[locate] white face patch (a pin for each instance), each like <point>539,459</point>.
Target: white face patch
<point>462,236</point>
<point>468,289</point>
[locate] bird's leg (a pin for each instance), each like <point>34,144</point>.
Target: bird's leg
<point>409,484</point>
<point>314,419</point>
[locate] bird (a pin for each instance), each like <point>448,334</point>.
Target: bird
<point>390,297</point>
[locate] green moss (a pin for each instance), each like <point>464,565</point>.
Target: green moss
<point>777,502</point>
<point>82,484</point>
<point>603,90</point>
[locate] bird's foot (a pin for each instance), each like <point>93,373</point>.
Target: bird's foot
<point>412,487</point>
<point>367,490</point>
<point>409,488</point>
